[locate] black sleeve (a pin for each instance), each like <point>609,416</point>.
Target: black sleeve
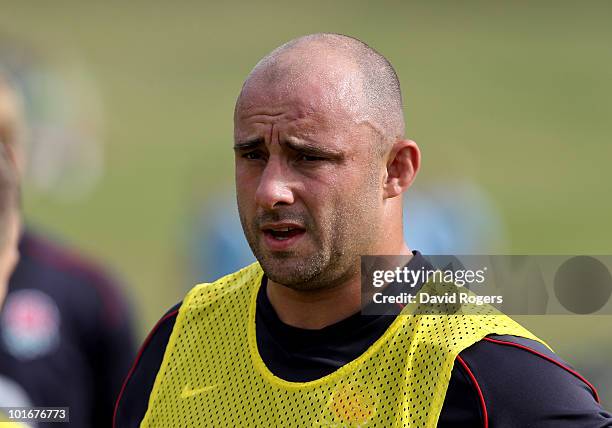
<point>518,382</point>
<point>461,406</point>
<point>133,398</point>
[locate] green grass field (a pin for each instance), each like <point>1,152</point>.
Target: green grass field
<point>516,95</point>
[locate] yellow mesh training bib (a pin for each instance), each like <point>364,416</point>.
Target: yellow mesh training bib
<point>213,376</point>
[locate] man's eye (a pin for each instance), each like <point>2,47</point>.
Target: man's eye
<point>309,158</point>
<point>252,155</point>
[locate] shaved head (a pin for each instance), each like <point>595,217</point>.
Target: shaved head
<point>350,75</point>
<point>321,161</point>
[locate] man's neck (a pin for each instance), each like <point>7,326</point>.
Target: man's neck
<point>314,310</point>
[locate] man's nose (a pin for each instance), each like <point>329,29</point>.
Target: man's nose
<point>274,188</point>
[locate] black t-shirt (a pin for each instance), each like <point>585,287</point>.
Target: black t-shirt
<point>501,381</point>
<point>66,337</point>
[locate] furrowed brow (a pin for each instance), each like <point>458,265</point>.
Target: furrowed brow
<point>313,149</point>
<point>249,144</point>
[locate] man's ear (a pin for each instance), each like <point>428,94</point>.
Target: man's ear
<point>402,167</point>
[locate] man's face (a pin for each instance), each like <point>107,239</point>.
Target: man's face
<point>309,186</point>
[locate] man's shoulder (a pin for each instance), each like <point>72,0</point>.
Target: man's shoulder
<point>512,375</point>
<point>249,275</point>
<point>156,341</point>
<point>506,356</point>
<point>170,315</point>
<point>132,400</point>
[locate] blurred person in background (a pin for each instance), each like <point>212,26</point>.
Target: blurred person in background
<point>9,256</point>
<point>66,334</point>
<point>10,226</point>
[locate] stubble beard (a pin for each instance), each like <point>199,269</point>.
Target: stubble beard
<point>334,258</point>
<point>289,268</point>
<point>350,231</point>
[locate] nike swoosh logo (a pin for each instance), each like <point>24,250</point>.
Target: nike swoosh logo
<point>188,392</point>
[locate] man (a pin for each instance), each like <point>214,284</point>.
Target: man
<point>66,336</point>
<point>9,254</point>
<point>321,163</point>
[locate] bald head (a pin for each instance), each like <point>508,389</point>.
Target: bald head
<point>344,72</point>
<point>320,156</point>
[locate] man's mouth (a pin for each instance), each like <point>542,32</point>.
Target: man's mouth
<point>284,233</point>
<point>282,236</point>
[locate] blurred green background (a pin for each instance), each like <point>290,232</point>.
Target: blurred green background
<point>514,95</point>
